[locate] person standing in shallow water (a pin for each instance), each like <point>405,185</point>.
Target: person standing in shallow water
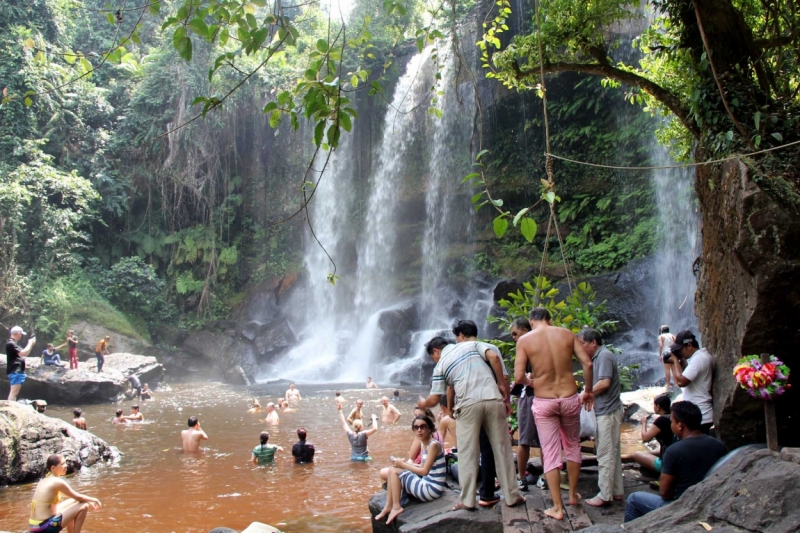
<point>48,513</point>
<point>193,436</point>
<point>292,394</point>
<point>79,422</point>
<point>272,415</point>
<point>264,453</point>
<point>359,450</point>
<point>665,340</point>
<point>303,451</point>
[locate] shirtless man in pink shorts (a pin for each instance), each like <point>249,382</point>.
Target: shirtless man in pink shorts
<point>556,405</point>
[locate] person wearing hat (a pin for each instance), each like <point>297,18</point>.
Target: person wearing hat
<point>40,406</point>
<point>15,361</point>
<point>692,368</point>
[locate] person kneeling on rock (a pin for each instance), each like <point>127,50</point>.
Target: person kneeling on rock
<point>50,514</point>
<point>685,463</point>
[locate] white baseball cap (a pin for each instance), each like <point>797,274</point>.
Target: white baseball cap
<point>17,329</point>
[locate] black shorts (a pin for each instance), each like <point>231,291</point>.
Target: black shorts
<point>528,435</point>
<point>51,525</point>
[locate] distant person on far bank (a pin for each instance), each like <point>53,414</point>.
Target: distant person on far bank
<point>48,513</point>
<point>371,384</point>
<point>357,436</point>
<point>264,453</point>
<point>685,463</point>
<point>693,368</point>
<point>303,451</point>
<point>193,436</point>
<point>79,422</point>
<point>665,340</point>
<point>292,394</point>
<point>661,430</point>
<point>100,351</point>
<point>15,361</point>
<point>50,357</point>
<point>119,418</point>
<point>556,404</point>
<point>72,349</point>
<point>608,410</point>
<point>390,413</point>
<point>528,436</point>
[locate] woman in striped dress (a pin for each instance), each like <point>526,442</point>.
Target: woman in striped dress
<point>425,481</point>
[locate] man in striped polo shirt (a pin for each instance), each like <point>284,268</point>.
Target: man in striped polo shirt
<point>480,390</point>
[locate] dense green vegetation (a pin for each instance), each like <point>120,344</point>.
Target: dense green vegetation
<point>138,166</point>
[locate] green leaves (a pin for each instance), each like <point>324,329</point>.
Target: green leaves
<point>500,225</point>
<point>182,44</point>
<point>528,229</point>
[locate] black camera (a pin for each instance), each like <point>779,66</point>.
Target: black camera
<point>666,357</point>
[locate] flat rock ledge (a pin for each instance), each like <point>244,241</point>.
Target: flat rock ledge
<point>28,438</point>
<point>62,386</point>
<point>757,490</point>
<point>437,517</point>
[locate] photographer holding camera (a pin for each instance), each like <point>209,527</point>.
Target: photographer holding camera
<point>692,368</point>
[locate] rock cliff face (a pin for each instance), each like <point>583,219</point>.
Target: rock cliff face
<point>748,295</point>
<point>84,385</point>
<point>28,438</point>
<point>756,490</point>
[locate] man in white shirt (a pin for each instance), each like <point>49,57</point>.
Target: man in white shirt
<point>693,368</point>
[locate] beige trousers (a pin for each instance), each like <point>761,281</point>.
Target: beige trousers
<point>491,415</point>
<point>609,455</point>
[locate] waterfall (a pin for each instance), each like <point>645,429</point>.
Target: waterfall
<point>679,222</point>
<point>448,211</point>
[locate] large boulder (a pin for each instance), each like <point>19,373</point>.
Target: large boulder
<point>436,517</point>
<point>271,338</point>
<point>90,334</point>
<point>84,385</point>
<point>748,298</point>
<point>756,490</point>
<point>226,350</point>
<point>28,438</point>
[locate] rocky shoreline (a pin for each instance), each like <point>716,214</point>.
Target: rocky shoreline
<point>28,438</point>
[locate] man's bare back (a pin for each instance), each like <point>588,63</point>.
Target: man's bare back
<point>549,350</point>
<point>192,438</point>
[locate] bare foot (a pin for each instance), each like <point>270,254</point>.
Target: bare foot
<point>393,515</point>
<point>381,514</point>
<point>576,500</point>
<point>597,501</point>
<point>552,513</point>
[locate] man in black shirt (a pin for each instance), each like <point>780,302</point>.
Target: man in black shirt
<point>303,452</point>
<point>685,463</point>
<point>15,361</point>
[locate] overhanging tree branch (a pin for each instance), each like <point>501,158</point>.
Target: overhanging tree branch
<point>661,94</point>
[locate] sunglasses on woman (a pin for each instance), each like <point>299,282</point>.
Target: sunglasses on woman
<point>417,428</point>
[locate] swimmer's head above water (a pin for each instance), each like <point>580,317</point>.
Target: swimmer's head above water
<point>192,421</point>
<point>301,433</point>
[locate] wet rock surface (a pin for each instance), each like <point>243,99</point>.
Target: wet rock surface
<point>90,334</point>
<point>84,385</point>
<point>224,349</point>
<point>748,297</point>
<point>436,516</point>
<point>28,438</point>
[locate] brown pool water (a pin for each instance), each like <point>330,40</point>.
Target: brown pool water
<point>156,488</point>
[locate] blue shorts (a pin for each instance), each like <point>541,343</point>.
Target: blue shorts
<point>17,378</point>
<point>657,464</point>
<point>361,458</point>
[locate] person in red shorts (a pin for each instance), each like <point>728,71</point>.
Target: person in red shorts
<point>556,404</point>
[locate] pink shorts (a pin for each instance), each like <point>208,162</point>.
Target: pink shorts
<point>558,421</point>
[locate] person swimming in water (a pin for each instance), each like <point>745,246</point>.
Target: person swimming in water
<point>193,436</point>
<point>79,422</point>
<point>255,407</point>
<point>339,399</point>
<point>48,513</point>
<point>264,453</point>
<point>119,418</point>
<point>136,415</point>
<point>272,415</point>
<point>358,437</point>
